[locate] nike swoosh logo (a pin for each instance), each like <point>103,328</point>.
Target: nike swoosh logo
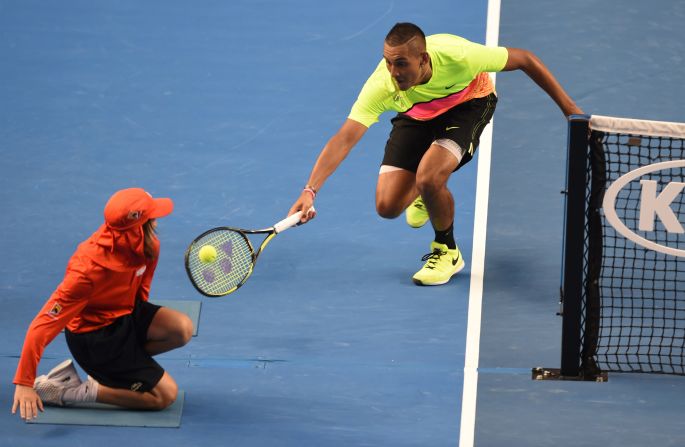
<point>449,87</point>
<point>455,260</point>
<point>451,127</point>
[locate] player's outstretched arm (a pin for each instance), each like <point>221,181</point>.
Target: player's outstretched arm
<point>530,64</point>
<point>28,402</point>
<point>333,153</point>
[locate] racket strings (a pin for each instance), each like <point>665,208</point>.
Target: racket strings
<point>233,263</point>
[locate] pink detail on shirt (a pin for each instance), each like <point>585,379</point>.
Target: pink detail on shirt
<point>480,87</point>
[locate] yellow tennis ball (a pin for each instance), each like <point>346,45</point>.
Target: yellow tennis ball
<point>207,254</point>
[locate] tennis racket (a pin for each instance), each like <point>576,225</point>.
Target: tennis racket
<point>232,257</point>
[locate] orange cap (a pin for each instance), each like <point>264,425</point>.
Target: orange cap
<point>133,207</point>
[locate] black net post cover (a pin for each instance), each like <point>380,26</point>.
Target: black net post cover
<point>631,309</point>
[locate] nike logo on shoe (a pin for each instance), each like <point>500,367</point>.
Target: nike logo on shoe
<point>451,127</point>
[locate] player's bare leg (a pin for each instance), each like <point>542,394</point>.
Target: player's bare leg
<point>169,329</point>
<point>395,190</point>
<point>158,398</point>
<point>432,175</point>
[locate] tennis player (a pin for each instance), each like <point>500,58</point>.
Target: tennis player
<point>444,98</point>
<point>112,330</point>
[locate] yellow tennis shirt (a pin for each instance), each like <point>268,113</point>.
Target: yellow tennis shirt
<point>460,70</point>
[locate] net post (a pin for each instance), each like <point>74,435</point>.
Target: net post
<point>574,235</point>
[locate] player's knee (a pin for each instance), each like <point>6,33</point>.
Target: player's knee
<point>167,400</point>
<point>181,332</point>
<point>428,185</point>
<point>185,330</point>
<point>387,209</point>
<point>165,396</point>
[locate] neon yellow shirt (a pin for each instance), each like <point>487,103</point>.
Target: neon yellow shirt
<point>460,70</point>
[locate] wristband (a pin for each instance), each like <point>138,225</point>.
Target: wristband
<point>310,190</point>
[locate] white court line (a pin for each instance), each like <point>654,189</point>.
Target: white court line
<point>468,403</point>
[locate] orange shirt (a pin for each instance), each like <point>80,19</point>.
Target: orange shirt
<point>89,298</point>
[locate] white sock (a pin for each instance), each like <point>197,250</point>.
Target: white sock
<point>86,392</point>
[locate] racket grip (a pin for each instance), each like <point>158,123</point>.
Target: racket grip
<point>289,221</point>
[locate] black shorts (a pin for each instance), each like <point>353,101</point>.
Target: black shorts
<point>462,124</point>
<point>115,355</point>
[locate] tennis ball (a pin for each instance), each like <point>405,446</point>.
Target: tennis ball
<point>207,254</point>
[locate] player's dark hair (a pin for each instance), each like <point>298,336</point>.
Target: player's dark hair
<point>403,32</point>
<point>149,235</point>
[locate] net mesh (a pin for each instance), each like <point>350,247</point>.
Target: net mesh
<point>634,303</point>
<point>231,267</point>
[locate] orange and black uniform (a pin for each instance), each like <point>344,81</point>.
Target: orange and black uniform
<point>89,298</point>
<point>103,304</point>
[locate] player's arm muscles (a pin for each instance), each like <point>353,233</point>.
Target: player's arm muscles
<point>530,64</point>
<point>333,153</point>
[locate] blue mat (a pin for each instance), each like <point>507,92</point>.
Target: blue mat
<point>102,414</point>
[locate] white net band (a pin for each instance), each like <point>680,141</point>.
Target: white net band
<point>637,127</point>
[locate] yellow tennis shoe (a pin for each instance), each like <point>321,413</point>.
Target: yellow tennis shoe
<point>441,264</point>
<point>416,213</point>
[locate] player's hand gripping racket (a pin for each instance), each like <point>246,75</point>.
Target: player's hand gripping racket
<point>220,260</point>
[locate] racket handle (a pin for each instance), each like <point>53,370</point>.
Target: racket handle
<point>289,221</point>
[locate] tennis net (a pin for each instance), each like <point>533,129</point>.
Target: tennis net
<point>623,279</point>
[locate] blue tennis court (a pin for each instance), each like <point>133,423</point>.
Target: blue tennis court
<point>224,106</point>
